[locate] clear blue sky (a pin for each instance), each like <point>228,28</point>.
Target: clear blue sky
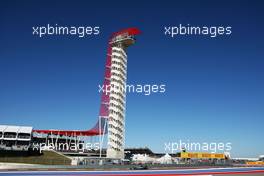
<point>214,87</point>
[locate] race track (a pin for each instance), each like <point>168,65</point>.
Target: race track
<point>245,171</point>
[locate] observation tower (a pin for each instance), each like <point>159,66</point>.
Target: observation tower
<point>112,110</point>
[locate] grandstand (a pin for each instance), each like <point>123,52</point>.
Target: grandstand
<point>15,137</point>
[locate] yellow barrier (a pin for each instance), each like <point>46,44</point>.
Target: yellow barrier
<point>202,155</point>
<point>255,163</point>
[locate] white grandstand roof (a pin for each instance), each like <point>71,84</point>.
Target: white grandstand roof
<point>11,129</point>
<point>2,127</point>
<point>24,129</point>
<point>19,129</point>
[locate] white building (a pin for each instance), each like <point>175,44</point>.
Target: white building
<point>142,159</point>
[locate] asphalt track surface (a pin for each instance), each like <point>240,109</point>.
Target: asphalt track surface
<point>245,171</point>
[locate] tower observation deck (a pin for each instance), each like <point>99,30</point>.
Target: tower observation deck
<point>113,102</point>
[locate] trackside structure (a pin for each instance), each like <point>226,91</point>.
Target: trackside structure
<point>111,120</point>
